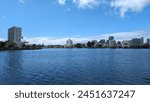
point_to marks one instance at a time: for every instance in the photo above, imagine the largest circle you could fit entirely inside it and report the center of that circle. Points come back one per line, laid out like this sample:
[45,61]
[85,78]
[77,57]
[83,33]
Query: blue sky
[54,21]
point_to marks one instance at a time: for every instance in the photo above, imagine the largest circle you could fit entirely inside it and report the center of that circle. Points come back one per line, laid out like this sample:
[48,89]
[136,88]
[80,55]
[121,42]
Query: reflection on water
[13,66]
[75,66]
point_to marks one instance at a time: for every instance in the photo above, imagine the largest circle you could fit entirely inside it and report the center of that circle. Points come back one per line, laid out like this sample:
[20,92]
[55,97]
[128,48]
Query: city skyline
[15,37]
[123,36]
[80,20]
[15,41]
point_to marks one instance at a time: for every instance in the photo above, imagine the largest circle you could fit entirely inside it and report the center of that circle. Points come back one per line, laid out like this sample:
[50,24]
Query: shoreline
[63,48]
[17,49]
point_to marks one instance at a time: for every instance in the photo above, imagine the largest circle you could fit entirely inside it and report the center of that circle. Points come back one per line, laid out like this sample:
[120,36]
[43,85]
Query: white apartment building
[15,35]
[126,44]
[69,43]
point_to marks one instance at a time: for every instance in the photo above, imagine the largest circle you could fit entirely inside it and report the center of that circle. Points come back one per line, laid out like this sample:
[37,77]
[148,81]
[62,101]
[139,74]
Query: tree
[2,44]
[78,45]
[89,44]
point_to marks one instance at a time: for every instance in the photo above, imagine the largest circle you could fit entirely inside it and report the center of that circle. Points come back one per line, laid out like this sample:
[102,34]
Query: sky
[54,21]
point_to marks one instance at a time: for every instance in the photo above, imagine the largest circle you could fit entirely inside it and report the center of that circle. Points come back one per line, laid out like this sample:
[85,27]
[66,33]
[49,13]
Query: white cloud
[118,36]
[62,2]
[1,39]
[123,6]
[128,35]
[50,40]
[129,5]
[22,1]
[86,3]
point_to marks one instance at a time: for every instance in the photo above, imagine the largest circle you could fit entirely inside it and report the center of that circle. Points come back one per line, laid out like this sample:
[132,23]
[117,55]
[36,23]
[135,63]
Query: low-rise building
[102,41]
[118,45]
[126,44]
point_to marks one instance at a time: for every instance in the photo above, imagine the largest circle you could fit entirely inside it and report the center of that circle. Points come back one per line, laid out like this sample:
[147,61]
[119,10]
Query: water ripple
[75,66]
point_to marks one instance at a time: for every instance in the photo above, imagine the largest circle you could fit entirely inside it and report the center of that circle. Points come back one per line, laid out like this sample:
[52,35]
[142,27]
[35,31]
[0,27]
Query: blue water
[75,67]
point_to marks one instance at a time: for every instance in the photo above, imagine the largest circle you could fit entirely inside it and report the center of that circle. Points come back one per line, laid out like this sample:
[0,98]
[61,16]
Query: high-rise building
[112,43]
[148,41]
[137,42]
[69,43]
[142,41]
[111,38]
[15,35]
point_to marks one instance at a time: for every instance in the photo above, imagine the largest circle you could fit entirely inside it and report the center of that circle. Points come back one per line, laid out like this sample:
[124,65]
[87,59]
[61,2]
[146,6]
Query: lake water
[75,67]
